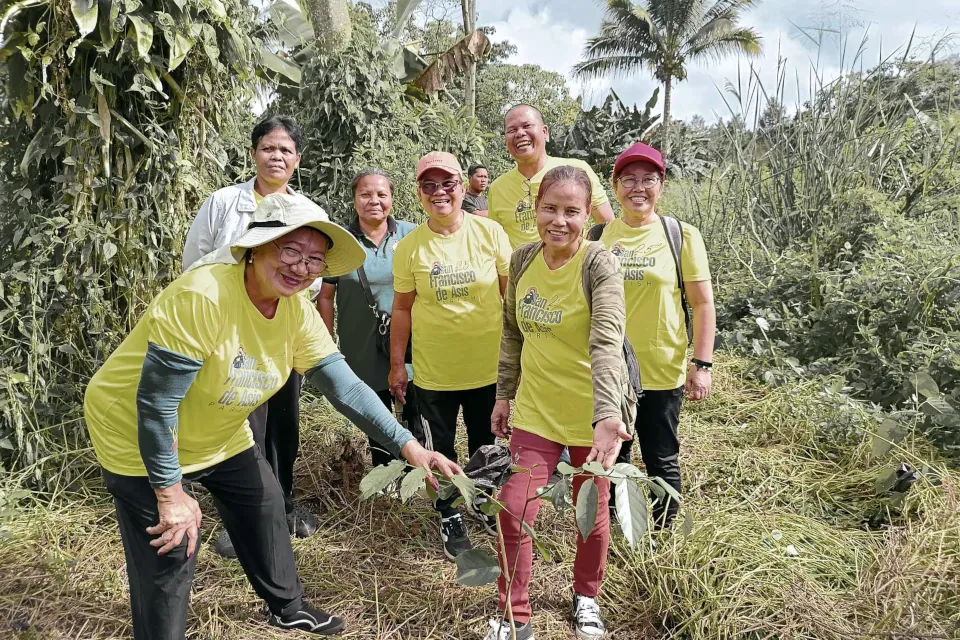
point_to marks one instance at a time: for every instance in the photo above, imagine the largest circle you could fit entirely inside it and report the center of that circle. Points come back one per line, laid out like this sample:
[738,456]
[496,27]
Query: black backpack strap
[596,231]
[674,231]
[367,291]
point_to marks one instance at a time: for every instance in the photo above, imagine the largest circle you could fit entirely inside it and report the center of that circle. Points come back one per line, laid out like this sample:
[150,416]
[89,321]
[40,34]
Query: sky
[552,34]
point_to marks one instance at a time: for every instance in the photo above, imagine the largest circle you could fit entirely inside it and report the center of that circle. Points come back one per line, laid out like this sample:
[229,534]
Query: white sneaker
[500,630]
[586,618]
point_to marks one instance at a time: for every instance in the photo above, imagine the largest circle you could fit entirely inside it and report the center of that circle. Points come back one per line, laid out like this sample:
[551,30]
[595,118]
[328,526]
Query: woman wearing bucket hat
[449,275]
[171,405]
[665,266]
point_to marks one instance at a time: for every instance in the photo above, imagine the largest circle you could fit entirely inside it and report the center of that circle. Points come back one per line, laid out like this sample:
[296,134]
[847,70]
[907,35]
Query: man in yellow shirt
[512,195]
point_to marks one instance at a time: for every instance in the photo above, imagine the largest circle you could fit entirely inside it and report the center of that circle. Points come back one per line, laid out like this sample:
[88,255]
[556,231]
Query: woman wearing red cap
[664,265]
[449,275]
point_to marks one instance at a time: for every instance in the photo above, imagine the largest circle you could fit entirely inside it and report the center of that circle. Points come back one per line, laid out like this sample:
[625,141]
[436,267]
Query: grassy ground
[779,484]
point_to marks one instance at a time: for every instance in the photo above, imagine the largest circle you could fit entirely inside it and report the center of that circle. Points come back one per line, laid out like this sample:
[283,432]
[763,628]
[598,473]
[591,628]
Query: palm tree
[663,36]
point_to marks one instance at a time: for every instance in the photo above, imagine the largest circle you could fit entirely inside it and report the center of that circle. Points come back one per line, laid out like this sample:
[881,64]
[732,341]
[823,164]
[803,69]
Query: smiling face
[641,200]
[274,278]
[561,214]
[276,157]
[442,203]
[525,134]
[373,199]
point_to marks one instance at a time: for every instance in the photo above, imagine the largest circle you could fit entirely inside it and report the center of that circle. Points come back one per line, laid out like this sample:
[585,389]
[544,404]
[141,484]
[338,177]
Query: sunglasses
[429,188]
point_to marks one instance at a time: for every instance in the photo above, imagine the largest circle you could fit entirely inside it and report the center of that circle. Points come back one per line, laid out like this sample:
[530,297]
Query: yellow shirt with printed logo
[655,322]
[205,314]
[512,197]
[457,312]
[555,397]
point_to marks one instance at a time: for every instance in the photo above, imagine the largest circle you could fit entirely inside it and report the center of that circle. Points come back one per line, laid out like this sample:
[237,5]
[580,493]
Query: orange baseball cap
[439,160]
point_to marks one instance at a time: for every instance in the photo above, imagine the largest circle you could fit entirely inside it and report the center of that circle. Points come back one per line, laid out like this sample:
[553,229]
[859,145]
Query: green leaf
[631,511]
[85,13]
[687,524]
[566,469]
[291,24]
[380,477]
[587,502]
[560,494]
[109,250]
[143,31]
[666,487]
[467,487]
[36,147]
[889,433]
[180,46]
[595,468]
[542,548]
[935,407]
[275,63]
[476,568]
[412,483]
[885,482]
[925,385]
[491,507]
[628,470]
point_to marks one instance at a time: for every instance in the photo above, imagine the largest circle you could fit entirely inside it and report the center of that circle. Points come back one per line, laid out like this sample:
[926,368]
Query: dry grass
[760,475]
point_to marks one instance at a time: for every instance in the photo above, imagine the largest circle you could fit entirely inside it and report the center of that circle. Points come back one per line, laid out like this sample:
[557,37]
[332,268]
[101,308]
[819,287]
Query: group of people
[496,298]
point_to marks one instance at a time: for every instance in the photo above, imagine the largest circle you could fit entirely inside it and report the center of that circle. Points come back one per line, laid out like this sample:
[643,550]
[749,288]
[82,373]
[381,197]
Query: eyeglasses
[526,202]
[430,188]
[291,257]
[647,182]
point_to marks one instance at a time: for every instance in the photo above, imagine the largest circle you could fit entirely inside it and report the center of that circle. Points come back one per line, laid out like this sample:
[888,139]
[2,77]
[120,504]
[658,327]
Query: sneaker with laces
[302,523]
[500,630]
[310,620]
[488,523]
[586,618]
[454,536]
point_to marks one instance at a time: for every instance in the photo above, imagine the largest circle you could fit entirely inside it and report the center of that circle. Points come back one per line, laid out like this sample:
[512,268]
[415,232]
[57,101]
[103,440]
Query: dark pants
[276,430]
[438,413]
[658,414]
[411,419]
[250,505]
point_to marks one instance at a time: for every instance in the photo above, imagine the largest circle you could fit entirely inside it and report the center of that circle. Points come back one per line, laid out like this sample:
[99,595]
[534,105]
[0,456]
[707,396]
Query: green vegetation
[834,238]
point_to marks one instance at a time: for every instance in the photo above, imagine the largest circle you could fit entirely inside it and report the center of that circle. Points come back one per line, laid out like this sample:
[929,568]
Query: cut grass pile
[778,483]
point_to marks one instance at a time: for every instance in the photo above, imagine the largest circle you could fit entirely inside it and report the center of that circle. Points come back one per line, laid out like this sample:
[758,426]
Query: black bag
[383,320]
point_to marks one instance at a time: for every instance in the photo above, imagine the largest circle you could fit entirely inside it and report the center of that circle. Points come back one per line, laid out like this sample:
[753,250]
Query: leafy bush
[120,117]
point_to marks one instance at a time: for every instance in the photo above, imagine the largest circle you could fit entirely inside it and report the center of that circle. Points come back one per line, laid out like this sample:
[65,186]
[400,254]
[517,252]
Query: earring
[250,258]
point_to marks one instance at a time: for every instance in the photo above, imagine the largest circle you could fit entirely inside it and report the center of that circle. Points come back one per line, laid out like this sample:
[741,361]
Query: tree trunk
[469,8]
[667,94]
[331,24]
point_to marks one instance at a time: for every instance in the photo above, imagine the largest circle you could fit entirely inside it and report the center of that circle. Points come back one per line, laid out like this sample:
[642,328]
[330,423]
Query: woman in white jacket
[275,149]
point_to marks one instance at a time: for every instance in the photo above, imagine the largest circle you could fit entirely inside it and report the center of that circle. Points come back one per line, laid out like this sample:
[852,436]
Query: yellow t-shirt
[512,198]
[655,323]
[457,312]
[205,314]
[555,398]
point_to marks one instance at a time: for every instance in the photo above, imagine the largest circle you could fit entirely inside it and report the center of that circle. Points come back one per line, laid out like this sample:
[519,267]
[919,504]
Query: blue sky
[552,34]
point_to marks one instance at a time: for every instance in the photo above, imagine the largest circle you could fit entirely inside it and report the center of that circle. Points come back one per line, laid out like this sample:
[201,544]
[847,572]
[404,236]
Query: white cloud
[540,39]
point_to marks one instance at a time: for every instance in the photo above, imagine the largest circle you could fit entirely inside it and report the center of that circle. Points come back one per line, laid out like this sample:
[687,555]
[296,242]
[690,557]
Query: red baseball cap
[442,160]
[639,152]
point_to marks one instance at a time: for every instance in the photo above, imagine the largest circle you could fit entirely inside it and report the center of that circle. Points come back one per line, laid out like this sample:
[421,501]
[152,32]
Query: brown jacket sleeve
[511,341]
[608,319]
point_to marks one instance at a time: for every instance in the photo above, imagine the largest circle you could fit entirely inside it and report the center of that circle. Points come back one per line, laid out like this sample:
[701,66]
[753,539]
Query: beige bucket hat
[278,215]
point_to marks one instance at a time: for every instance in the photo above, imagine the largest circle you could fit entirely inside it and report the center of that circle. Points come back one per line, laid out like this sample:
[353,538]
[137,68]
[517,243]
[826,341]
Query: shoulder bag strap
[367,292]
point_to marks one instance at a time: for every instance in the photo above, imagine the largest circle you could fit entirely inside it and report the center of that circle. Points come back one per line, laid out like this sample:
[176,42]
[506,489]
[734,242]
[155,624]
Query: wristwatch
[702,365]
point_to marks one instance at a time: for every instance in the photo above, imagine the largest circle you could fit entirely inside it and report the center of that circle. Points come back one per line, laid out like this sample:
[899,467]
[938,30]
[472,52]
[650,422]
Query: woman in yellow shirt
[566,354]
[656,322]
[172,404]
[448,276]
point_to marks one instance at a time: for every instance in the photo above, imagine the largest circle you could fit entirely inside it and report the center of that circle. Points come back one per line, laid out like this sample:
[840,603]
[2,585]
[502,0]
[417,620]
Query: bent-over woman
[171,404]
[561,360]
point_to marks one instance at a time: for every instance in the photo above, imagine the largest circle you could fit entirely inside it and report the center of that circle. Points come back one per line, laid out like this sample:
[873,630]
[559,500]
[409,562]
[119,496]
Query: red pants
[540,455]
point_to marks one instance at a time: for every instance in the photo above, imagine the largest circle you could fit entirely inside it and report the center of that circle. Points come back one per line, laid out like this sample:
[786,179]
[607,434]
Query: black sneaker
[489,523]
[500,630]
[586,618]
[224,545]
[454,536]
[302,523]
[310,620]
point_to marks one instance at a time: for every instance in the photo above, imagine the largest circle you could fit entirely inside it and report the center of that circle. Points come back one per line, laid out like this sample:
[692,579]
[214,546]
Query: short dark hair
[272,123]
[370,171]
[474,168]
[520,106]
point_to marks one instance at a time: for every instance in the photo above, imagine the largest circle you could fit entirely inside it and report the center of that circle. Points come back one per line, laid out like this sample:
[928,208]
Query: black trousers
[276,430]
[411,419]
[250,505]
[438,414]
[658,415]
